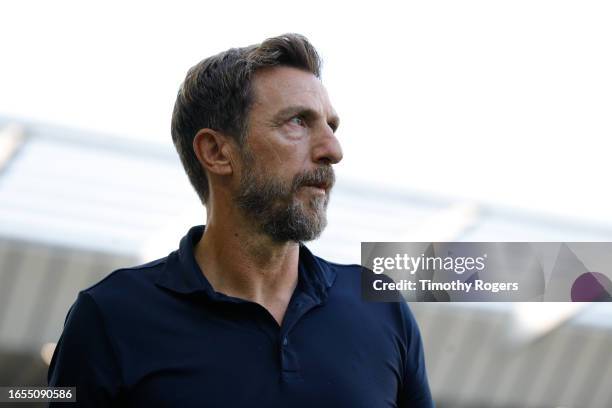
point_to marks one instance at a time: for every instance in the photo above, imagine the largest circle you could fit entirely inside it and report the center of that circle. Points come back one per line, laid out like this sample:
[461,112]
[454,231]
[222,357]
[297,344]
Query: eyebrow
[334,120]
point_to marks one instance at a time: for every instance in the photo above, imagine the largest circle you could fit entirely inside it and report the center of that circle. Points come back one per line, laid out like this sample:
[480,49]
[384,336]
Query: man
[242,314]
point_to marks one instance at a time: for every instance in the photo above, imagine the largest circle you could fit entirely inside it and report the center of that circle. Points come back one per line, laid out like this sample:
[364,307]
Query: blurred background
[472,121]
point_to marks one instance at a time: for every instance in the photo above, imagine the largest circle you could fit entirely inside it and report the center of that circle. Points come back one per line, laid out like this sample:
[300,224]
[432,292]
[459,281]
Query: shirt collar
[182,274]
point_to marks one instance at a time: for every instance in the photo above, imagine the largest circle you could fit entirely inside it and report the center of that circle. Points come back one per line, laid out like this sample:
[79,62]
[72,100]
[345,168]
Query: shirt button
[285,341]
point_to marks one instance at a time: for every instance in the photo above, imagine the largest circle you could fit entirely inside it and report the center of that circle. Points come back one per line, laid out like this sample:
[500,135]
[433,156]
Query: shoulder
[353,283]
[361,279]
[390,318]
[126,284]
[344,271]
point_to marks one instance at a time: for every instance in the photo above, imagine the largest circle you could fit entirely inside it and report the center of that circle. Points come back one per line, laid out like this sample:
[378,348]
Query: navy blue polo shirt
[159,335]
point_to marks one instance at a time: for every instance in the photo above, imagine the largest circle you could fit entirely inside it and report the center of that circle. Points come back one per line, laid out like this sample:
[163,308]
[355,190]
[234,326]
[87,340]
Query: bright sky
[504,102]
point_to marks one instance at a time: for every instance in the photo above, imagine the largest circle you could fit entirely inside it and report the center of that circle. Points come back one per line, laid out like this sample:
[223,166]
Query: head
[256,122]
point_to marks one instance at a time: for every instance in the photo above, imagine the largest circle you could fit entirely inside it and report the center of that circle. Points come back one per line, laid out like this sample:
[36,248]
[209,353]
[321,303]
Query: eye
[298,120]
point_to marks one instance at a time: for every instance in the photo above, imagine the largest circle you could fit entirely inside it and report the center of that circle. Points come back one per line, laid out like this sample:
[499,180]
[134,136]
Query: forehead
[278,87]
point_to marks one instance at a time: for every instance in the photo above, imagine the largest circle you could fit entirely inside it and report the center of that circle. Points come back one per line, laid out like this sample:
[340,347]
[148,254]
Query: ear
[214,151]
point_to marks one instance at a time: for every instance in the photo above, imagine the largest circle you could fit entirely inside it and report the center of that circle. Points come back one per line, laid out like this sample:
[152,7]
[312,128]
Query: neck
[242,262]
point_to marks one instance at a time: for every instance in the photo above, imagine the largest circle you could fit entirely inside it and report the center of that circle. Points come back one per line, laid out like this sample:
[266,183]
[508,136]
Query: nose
[326,147]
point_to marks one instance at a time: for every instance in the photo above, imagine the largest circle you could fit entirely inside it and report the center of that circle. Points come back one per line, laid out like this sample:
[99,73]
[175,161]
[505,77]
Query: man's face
[286,174]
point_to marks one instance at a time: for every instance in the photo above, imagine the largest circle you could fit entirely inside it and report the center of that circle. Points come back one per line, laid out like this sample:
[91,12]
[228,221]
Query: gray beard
[274,208]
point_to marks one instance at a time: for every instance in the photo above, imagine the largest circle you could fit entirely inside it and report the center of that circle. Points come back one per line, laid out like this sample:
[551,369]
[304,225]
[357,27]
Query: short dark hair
[217,94]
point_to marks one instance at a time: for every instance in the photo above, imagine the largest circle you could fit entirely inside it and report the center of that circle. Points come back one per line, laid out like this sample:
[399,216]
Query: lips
[321,178]
[316,189]
[325,186]
[322,186]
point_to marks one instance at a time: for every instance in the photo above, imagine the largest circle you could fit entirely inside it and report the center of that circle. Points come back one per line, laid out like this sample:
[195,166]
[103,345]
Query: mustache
[323,177]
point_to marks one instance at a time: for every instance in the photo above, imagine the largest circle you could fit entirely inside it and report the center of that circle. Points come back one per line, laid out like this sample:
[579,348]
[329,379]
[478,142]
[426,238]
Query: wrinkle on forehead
[275,88]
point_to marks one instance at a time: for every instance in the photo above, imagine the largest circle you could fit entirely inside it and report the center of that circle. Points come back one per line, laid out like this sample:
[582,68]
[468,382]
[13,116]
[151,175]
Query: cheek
[283,161]
[282,167]
[287,160]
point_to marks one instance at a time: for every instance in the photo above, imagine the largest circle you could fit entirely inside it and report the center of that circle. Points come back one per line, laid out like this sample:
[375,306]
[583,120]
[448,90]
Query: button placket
[289,362]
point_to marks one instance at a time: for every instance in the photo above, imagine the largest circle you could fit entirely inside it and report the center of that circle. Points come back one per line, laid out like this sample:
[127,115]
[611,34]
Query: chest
[219,359]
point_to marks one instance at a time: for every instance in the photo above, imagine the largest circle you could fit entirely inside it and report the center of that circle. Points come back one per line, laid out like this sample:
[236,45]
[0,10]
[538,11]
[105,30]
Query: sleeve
[84,358]
[414,392]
